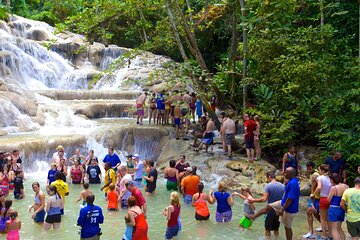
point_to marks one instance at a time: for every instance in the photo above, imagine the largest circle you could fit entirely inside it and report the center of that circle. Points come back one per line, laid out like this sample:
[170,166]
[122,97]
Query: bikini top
[37,199]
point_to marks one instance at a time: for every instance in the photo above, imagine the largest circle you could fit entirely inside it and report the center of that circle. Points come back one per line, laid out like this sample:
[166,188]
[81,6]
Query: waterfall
[45,99]
[111,53]
[32,64]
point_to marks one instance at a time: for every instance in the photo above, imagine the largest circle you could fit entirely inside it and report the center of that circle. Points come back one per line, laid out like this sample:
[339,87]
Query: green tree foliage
[302,56]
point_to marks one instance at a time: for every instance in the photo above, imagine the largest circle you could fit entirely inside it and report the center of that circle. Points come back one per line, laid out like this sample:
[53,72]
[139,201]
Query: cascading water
[111,53]
[26,64]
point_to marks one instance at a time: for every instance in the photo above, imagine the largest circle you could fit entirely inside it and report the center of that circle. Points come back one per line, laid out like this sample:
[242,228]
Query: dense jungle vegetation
[293,62]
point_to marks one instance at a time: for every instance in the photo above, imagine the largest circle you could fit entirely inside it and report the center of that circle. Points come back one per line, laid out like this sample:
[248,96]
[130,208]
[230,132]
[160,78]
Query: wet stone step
[88,94]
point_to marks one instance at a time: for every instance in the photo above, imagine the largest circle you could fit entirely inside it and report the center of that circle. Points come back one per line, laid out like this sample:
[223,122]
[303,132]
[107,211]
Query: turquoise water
[114,225]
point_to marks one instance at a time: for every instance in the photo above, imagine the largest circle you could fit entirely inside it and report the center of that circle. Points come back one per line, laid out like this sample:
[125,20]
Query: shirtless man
[177,121]
[140,102]
[175,100]
[208,136]
[228,128]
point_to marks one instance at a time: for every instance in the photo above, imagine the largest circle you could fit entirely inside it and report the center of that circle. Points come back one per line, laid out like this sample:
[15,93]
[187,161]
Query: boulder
[158,87]
[96,53]
[3,132]
[37,35]
[73,51]
[3,86]
[23,104]
[9,59]
[103,109]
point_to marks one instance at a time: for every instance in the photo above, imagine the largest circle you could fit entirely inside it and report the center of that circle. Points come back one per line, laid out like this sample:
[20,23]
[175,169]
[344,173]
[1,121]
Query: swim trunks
[249,142]
[272,221]
[228,138]
[177,122]
[187,199]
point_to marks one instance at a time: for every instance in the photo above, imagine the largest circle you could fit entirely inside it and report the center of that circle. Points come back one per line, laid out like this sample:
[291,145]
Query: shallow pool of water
[114,225]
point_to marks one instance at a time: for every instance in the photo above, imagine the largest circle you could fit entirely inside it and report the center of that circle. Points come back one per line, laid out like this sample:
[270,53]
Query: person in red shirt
[136,193]
[249,127]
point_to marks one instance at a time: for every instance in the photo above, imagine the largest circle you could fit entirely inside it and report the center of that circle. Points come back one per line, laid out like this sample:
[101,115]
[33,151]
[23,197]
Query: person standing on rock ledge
[140,102]
[228,129]
[249,128]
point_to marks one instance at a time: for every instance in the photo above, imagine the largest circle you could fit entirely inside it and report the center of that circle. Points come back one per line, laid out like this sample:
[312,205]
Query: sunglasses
[61,151]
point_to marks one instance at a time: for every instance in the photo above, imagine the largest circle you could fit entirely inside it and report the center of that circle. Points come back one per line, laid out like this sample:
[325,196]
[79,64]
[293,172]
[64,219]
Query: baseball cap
[136,155]
[129,156]
[189,169]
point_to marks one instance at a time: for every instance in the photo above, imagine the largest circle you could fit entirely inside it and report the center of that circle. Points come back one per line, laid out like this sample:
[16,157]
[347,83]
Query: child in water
[128,228]
[84,193]
[112,198]
[13,226]
[249,208]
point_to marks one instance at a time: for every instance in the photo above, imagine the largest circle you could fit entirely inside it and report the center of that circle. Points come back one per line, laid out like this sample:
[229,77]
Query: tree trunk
[144,20]
[190,11]
[206,10]
[321,13]
[232,52]
[175,31]
[197,54]
[243,14]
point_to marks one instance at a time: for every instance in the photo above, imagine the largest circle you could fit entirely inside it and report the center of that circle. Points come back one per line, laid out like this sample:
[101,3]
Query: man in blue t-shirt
[337,165]
[274,192]
[289,205]
[112,158]
[160,108]
[89,219]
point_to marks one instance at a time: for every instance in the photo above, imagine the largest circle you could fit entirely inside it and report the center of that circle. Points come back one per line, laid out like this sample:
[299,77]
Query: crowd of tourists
[182,109]
[330,200]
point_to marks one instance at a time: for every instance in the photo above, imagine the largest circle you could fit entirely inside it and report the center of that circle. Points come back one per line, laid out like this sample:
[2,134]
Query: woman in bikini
[152,111]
